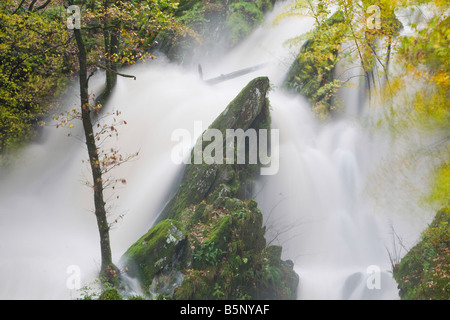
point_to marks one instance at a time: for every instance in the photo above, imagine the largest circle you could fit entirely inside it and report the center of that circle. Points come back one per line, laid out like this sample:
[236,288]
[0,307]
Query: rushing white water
[317,206]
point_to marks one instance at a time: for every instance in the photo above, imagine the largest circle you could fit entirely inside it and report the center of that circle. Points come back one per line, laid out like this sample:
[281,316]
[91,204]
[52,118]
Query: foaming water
[317,206]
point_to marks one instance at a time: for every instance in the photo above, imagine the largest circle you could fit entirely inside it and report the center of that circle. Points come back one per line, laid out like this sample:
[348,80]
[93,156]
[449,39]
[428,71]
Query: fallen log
[232,75]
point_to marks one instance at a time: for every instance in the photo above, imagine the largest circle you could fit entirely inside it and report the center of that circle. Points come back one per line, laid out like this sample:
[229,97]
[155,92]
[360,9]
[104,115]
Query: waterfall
[317,207]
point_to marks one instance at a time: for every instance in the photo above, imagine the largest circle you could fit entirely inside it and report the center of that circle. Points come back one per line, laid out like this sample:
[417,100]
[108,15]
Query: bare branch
[43,6]
[118,73]
[30,8]
[18,8]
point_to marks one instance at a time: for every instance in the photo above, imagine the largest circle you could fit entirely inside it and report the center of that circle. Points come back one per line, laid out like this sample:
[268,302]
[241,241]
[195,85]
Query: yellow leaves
[441,186]
[441,79]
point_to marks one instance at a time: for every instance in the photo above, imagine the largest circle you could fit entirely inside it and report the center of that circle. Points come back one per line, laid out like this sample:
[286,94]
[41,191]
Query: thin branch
[30,8]
[42,6]
[118,73]
[91,74]
[18,8]
[384,68]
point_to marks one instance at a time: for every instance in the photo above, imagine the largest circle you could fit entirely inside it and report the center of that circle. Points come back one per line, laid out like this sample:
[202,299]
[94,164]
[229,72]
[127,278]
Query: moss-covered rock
[424,272]
[311,73]
[218,249]
[163,247]
[110,294]
[247,110]
[230,258]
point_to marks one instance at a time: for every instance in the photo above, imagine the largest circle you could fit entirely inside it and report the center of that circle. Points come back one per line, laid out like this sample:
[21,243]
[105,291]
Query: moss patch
[311,74]
[160,248]
[230,258]
[424,272]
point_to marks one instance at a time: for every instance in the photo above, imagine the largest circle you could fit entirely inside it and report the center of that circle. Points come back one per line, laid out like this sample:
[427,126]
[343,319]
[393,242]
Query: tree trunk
[111,74]
[107,270]
[111,39]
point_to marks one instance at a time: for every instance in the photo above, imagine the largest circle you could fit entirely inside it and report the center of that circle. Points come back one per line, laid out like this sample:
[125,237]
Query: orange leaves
[64,119]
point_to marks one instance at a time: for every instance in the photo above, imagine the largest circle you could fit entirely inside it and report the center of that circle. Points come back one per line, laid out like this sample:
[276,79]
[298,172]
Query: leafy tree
[424,83]
[339,22]
[39,54]
[34,67]
[118,23]
[415,94]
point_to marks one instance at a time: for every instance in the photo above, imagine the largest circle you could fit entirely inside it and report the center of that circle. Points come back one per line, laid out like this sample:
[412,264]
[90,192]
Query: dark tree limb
[116,72]
[30,8]
[18,8]
[43,6]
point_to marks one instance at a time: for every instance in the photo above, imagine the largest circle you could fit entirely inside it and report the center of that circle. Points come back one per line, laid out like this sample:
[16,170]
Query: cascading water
[316,206]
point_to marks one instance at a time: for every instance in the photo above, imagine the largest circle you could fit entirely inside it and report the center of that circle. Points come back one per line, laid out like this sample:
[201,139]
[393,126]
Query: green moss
[311,74]
[194,287]
[243,18]
[157,249]
[110,294]
[222,232]
[424,271]
[441,186]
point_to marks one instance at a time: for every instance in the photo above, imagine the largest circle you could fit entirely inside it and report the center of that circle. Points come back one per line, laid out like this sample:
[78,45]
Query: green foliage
[440,191]
[336,23]
[37,53]
[312,73]
[243,18]
[240,268]
[424,272]
[418,94]
[208,254]
[156,250]
[425,58]
[110,294]
[87,293]
[218,292]
[33,67]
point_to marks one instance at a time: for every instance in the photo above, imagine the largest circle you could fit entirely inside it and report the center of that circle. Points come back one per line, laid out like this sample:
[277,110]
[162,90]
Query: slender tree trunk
[107,269]
[111,39]
[113,50]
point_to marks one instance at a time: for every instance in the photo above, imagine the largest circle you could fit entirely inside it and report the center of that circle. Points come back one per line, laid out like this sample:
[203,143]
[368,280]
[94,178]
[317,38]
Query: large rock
[212,244]
[162,248]
[248,110]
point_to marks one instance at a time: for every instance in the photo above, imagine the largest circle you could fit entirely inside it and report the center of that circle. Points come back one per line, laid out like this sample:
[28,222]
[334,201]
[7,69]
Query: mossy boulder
[163,247]
[248,110]
[209,242]
[311,73]
[424,272]
[230,257]
[223,257]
